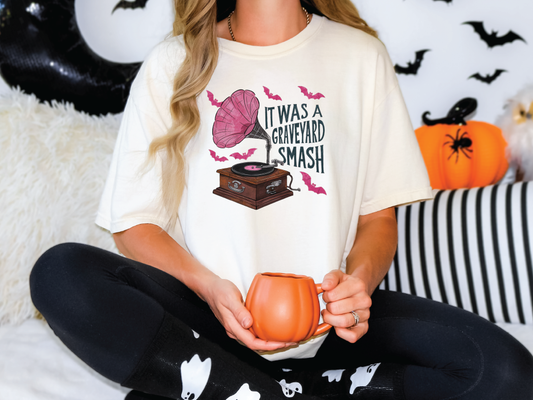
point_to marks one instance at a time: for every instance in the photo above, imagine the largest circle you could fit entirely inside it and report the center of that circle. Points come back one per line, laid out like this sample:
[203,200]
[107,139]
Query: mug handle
[323,327]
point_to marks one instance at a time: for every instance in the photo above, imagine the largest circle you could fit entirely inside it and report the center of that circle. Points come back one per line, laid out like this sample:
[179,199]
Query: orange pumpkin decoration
[461,154]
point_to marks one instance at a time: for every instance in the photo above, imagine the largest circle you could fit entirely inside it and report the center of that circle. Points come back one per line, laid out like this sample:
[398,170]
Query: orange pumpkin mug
[285,307]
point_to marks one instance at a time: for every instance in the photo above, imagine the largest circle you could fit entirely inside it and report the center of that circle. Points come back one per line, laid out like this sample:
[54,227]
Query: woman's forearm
[374,247]
[348,294]
[151,245]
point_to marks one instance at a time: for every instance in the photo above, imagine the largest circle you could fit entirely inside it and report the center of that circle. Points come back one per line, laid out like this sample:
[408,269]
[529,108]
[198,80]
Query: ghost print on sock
[194,376]
[245,393]
[362,376]
[333,375]
[290,389]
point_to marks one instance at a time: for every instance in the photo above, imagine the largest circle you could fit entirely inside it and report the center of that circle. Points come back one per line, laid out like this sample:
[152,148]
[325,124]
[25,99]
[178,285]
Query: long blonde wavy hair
[196,20]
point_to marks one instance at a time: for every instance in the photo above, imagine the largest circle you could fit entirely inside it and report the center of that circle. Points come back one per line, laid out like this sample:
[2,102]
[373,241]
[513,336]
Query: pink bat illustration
[311,186]
[243,156]
[270,95]
[217,158]
[212,99]
[310,95]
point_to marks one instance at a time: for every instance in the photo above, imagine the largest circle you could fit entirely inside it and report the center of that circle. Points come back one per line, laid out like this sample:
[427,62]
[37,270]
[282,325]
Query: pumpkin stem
[456,115]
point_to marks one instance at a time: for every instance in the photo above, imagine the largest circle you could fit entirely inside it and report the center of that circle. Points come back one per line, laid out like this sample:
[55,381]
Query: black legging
[138,326]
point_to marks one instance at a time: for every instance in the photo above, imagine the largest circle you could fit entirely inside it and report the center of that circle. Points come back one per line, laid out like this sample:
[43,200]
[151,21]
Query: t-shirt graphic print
[256,184]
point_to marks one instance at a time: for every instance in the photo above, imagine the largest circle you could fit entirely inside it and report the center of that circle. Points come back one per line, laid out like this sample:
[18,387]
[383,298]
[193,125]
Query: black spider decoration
[461,143]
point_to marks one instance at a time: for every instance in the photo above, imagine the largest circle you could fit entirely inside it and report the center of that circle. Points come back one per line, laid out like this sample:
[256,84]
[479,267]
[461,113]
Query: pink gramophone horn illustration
[252,184]
[236,120]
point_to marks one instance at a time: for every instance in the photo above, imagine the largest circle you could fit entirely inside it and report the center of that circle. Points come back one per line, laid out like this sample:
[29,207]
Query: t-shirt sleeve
[396,173]
[132,193]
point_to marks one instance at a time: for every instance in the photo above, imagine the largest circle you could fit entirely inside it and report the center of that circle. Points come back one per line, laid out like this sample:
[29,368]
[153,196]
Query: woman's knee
[55,273]
[509,369]
[496,367]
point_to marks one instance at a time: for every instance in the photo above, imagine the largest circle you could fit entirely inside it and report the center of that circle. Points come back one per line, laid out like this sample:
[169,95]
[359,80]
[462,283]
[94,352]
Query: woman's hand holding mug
[225,300]
[343,294]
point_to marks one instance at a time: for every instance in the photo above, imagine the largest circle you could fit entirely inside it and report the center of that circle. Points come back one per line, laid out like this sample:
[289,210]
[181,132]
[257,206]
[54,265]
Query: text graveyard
[290,125]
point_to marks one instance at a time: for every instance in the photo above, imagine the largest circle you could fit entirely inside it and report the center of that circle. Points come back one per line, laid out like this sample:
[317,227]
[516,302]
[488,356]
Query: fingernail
[245,322]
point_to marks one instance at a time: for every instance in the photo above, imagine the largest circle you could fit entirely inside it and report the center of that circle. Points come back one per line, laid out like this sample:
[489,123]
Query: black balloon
[42,51]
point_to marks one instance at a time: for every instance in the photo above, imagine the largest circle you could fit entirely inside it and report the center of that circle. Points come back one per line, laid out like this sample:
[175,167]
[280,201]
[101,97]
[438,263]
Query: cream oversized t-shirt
[328,99]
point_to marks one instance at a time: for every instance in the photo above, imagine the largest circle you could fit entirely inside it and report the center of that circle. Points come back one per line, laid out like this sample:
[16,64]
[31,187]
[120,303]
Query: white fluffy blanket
[53,165]
[35,365]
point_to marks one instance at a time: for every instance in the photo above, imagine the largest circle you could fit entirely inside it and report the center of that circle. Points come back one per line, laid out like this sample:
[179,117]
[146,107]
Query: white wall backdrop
[405,26]
[457,52]
[126,35]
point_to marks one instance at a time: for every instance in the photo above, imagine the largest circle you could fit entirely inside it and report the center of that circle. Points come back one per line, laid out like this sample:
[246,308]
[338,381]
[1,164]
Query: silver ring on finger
[356,319]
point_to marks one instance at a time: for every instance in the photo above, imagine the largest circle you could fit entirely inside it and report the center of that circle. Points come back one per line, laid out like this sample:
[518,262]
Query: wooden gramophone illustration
[252,184]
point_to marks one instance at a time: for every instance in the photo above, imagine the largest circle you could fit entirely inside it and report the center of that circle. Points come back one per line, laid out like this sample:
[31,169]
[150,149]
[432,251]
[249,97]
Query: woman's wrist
[373,250]
[203,285]
[367,273]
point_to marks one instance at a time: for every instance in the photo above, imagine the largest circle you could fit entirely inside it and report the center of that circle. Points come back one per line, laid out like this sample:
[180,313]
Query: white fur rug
[53,165]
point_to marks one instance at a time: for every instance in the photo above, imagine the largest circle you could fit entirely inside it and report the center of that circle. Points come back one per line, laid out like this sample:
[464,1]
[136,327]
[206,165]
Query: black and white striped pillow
[471,248]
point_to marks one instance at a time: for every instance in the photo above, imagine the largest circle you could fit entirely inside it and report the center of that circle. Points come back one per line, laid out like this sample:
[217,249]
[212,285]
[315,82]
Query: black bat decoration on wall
[492,39]
[412,67]
[488,79]
[130,4]
[446,1]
